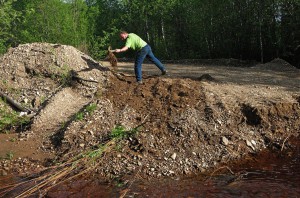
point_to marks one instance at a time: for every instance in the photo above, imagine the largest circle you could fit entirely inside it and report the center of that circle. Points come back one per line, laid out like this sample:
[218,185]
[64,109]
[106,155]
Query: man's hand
[124,49]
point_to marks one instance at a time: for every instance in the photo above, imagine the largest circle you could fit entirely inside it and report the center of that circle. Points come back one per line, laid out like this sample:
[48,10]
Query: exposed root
[72,168]
[55,175]
[282,146]
[220,169]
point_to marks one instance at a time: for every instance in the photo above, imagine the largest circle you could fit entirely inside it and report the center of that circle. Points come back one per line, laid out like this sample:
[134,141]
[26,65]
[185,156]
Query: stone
[225,141]
[81,145]
[248,143]
[174,156]
[171,172]
[3,173]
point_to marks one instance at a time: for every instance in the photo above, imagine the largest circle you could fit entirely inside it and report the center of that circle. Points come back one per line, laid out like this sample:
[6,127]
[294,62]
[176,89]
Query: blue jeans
[140,57]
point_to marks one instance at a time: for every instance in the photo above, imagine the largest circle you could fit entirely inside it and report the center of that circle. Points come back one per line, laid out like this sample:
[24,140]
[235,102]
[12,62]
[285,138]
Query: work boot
[164,73]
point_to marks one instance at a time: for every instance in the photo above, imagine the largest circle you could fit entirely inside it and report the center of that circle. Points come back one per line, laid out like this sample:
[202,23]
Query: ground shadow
[93,65]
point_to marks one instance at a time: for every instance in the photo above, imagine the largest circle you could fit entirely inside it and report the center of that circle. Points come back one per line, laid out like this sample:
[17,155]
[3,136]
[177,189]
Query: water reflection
[268,174]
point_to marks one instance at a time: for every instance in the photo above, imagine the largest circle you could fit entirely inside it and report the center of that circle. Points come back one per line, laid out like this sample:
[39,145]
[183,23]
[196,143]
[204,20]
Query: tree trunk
[261,44]
[260,32]
[164,37]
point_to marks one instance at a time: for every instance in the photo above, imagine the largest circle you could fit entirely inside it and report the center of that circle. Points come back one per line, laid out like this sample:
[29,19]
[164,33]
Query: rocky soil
[198,117]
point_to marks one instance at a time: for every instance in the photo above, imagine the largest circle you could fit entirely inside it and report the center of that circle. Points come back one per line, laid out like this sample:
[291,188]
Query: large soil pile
[188,124]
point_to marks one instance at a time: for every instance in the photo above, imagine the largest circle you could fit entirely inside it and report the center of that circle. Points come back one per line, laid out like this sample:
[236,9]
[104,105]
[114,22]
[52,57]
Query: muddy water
[268,174]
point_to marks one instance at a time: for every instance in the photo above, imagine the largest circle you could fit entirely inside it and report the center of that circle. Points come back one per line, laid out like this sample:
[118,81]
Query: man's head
[123,35]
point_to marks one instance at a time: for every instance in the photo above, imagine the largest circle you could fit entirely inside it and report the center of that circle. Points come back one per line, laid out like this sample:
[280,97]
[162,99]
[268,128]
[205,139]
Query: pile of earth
[277,65]
[184,126]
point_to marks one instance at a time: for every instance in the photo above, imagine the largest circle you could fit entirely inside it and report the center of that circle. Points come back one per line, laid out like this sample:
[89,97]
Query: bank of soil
[201,115]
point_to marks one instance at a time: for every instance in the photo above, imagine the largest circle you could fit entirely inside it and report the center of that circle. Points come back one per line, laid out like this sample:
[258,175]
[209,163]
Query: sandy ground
[275,74]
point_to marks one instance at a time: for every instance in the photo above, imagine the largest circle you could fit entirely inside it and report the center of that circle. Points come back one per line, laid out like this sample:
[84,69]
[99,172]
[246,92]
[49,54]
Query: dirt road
[277,73]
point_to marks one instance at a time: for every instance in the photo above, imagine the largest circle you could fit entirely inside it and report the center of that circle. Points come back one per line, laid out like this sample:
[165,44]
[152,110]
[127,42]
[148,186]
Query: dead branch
[118,76]
[79,78]
[74,75]
[284,142]
[56,175]
[13,102]
[220,169]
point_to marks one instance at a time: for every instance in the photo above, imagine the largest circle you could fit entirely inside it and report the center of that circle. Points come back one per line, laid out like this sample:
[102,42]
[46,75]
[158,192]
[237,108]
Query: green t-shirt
[135,42]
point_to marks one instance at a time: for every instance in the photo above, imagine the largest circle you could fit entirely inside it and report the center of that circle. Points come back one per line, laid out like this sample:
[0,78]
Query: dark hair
[123,32]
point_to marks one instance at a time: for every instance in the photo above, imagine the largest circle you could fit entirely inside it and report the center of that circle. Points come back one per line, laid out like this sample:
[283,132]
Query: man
[135,42]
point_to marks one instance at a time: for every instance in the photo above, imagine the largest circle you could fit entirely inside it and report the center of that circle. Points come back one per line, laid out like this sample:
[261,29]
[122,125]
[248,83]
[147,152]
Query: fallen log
[14,103]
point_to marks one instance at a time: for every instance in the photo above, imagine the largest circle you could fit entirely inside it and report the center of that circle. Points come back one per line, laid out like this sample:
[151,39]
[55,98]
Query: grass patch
[11,119]
[43,99]
[61,74]
[87,110]
[15,91]
[10,155]
[119,132]
[79,116]
[91,108]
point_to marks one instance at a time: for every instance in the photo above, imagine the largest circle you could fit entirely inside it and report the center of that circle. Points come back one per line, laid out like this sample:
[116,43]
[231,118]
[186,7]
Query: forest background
[258,30]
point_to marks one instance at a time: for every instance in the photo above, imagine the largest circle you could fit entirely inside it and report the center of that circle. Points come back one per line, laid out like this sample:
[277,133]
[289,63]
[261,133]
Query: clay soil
[204,113]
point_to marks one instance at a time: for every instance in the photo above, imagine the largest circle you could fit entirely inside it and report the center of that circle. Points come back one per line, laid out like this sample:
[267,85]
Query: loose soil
[204,113]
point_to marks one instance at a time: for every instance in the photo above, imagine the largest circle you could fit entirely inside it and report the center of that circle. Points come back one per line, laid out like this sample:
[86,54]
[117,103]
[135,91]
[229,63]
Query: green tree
[53,21]
[176,29]
[8,17]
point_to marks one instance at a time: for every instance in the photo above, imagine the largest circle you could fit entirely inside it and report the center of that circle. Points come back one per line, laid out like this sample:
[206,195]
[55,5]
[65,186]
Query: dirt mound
[39,69]
[206,77]
[277,65]
[52,82]
[194,126]
[189,126]
[185,126]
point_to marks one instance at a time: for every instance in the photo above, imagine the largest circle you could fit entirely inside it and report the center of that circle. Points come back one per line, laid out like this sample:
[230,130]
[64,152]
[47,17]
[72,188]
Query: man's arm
[123,49]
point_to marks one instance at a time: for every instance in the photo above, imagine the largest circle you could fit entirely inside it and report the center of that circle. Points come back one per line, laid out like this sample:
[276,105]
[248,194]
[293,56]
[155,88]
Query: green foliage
[99,44]
[43,99]
[10,155]
[79,116]
[93,154]
[53,21]
[64,78]
[11,119]
[2,46]
[8,18]
[119,132]
[91,108]
[175,29]
[61,74]
[88,109]
[63,125]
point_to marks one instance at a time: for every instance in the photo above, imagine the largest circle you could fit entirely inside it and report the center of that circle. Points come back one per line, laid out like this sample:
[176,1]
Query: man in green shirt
[135,42]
